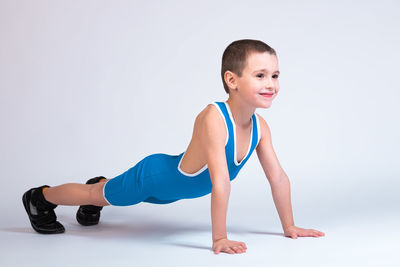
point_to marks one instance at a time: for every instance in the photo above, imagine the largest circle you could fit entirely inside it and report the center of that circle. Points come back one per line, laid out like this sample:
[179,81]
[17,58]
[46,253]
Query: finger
[236,249]
[317,232]
[309,233]
[320,233]
[240,249]
[229,250]
[317,235]
[312,234]
[243,245]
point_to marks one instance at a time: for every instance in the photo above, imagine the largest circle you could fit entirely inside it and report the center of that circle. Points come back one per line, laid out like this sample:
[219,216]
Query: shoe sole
[26,202]
[84,223]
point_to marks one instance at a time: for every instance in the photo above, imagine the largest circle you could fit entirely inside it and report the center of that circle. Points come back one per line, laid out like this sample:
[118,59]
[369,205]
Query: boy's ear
[230,79]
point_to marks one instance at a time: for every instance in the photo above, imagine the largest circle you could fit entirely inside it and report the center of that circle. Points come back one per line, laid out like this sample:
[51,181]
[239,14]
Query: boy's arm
[213,137]
[279,181]
[280,185]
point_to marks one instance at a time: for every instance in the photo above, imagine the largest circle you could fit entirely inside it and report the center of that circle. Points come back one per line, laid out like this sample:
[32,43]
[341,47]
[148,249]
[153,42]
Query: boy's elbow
[221,186]
[279,178]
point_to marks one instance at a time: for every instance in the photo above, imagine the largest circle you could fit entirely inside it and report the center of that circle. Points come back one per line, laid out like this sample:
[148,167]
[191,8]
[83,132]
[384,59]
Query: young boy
[224,136]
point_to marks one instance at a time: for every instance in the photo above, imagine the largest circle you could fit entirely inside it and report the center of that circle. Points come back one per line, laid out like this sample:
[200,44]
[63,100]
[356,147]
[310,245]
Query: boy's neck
[241,112]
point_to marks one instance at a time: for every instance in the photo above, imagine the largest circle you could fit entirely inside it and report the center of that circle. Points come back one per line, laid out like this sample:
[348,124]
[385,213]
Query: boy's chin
[267,104]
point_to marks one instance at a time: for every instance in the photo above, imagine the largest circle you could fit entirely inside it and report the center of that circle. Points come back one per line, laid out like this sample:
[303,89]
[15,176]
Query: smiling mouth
[267,95]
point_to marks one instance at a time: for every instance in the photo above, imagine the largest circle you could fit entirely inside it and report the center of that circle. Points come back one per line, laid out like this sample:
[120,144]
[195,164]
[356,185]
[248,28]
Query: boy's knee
[96,194]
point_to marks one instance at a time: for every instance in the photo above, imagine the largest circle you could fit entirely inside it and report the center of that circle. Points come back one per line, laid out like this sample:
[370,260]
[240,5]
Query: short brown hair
[235,55]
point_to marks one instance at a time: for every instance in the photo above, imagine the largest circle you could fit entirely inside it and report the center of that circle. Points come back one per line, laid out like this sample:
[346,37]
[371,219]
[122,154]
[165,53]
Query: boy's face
[259,83]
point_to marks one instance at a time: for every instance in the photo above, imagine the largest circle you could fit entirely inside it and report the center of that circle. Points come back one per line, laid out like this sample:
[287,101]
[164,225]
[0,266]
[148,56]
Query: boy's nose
[268,83]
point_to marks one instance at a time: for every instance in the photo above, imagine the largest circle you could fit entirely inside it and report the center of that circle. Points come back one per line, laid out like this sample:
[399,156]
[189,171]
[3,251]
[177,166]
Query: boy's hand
[294,232]
[228,246]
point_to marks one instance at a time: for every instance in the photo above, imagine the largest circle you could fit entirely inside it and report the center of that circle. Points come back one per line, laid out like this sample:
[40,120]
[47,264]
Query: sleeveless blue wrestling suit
[159,179]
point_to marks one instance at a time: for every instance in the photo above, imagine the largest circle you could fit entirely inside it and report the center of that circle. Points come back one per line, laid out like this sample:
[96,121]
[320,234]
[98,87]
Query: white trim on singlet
[205,166]
[190,174]
[234,137]
[104,193]
[226,125]
[258,129]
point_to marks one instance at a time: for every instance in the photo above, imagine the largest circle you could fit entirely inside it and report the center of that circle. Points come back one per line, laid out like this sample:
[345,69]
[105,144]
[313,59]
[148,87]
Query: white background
[89,88]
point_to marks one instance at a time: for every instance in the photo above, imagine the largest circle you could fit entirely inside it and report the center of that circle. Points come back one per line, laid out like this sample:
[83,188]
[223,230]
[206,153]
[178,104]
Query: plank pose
[225,134]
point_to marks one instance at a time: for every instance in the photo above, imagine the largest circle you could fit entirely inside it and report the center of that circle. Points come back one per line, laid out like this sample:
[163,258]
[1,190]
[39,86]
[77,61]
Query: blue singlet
[159,179]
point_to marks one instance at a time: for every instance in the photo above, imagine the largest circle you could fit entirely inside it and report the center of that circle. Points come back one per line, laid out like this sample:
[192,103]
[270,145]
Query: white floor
[179,234]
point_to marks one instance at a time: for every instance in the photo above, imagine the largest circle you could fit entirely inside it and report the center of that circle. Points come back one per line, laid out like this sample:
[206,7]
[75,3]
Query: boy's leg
[40,203]
[74,194]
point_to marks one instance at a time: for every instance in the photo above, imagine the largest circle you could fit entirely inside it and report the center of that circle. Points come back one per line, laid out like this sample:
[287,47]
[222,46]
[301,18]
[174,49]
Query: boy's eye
[260,75]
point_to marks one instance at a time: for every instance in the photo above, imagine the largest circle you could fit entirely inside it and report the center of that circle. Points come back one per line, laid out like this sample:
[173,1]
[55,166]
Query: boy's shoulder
[211,116]
[210,112]
[210,122]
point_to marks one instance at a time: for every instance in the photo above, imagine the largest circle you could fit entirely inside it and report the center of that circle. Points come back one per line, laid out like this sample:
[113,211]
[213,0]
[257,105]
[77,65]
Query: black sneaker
[89,214]
[41,212]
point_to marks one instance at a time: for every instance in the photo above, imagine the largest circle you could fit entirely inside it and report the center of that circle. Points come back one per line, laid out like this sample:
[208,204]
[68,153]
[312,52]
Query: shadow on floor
[148,230]
[142,230]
